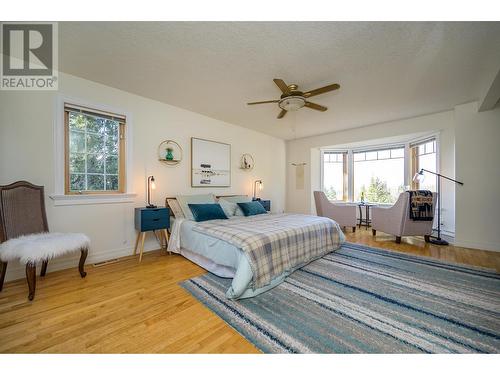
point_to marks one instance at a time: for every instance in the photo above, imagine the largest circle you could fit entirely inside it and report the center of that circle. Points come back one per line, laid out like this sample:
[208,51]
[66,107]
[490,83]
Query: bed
[257,252]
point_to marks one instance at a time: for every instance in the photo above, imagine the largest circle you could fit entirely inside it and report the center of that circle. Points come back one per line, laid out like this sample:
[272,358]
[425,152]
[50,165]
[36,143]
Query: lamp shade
[419,176]
[151,186]
[292,103]
[257,184]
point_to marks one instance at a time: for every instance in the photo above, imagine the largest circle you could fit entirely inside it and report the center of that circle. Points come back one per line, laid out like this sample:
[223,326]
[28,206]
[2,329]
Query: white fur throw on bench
[37,247]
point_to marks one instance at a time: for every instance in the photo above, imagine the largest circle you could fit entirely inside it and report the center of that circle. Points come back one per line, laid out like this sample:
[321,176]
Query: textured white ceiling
[386,70]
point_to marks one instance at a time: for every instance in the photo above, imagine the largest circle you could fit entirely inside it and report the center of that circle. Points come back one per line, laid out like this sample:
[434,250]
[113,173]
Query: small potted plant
[169,155]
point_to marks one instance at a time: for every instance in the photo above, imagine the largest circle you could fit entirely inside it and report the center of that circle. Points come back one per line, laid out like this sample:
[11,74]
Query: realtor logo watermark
[29,56]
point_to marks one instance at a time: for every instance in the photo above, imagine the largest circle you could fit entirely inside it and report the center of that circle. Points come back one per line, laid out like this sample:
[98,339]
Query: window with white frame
[335,175]
[94,152]
[424,155]
[377,174]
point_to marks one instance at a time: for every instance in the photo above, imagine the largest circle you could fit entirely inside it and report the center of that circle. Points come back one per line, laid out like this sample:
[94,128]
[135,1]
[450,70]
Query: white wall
[478,166]
[26,153]
[307,150]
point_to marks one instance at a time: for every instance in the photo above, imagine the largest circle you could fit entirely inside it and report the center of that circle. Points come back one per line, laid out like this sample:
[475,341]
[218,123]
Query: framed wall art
[210,163]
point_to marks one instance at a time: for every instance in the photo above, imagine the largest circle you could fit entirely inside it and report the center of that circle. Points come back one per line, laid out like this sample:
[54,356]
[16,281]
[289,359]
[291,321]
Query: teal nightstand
[151,219]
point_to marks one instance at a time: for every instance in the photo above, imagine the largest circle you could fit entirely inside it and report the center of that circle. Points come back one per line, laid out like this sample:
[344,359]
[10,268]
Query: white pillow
[232,202]
[184,200]
[229,208]
[175,208]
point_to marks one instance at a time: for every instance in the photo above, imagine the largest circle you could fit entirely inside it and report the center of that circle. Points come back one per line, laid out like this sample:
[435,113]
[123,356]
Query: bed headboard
[216,197]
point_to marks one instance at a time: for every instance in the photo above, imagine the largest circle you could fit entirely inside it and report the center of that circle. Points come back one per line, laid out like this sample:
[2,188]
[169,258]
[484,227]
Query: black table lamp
[419,177]
[151,186]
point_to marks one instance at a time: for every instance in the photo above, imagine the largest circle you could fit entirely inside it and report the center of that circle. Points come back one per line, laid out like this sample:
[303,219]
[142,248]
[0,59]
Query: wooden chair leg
[398,239]
[44,268]
[427,238]
[81,264]
[3,271]
[374,232]
[354,229]
[31,278]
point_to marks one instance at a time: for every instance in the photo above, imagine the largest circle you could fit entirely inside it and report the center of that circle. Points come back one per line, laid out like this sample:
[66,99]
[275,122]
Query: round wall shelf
[169,152]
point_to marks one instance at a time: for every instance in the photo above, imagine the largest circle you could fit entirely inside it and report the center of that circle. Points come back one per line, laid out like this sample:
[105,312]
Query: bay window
[377,174]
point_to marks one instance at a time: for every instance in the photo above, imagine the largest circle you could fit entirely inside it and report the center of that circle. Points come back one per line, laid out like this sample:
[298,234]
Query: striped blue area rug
[365,300]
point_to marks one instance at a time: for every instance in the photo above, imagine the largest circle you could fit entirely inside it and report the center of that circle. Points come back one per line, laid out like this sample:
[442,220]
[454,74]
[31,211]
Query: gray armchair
[396,220]
[344,214]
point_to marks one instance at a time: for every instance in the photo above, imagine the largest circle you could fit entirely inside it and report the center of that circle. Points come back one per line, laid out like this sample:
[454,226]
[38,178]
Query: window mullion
[345,184]
[105,138]
[350,175]
[322,170]
[121,156]
[86,157]
[407,168]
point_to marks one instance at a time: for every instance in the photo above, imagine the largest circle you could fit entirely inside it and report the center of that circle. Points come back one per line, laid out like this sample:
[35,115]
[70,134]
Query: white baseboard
[478,245]
[448,236]
[16,270]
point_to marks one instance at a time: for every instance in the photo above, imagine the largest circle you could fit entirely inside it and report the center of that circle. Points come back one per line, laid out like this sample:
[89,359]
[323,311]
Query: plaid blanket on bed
[276,243]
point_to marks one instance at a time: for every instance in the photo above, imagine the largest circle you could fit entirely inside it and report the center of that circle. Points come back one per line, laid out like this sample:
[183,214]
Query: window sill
[72,200]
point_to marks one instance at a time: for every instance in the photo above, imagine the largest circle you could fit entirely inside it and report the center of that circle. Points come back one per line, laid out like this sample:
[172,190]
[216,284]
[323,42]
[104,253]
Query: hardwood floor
[131,307]
[417,246]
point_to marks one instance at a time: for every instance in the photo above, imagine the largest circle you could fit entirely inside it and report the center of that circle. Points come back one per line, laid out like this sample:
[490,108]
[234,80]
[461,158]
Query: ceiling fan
[292,99]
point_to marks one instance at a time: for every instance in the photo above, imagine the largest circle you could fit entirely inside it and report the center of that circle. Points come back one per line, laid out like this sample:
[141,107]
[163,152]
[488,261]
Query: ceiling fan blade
[282,85]
[315,106]
[266,101]
[321,90]
[282,113]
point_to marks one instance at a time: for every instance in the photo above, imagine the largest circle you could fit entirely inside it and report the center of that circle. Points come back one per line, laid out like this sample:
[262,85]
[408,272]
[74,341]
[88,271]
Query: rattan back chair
[22,212]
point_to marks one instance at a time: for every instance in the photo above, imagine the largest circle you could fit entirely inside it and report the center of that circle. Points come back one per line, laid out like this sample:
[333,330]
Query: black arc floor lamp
[419,177]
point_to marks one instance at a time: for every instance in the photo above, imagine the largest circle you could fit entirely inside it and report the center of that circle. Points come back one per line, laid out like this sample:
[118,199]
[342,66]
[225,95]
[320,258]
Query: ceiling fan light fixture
[292,103]
[292,99]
